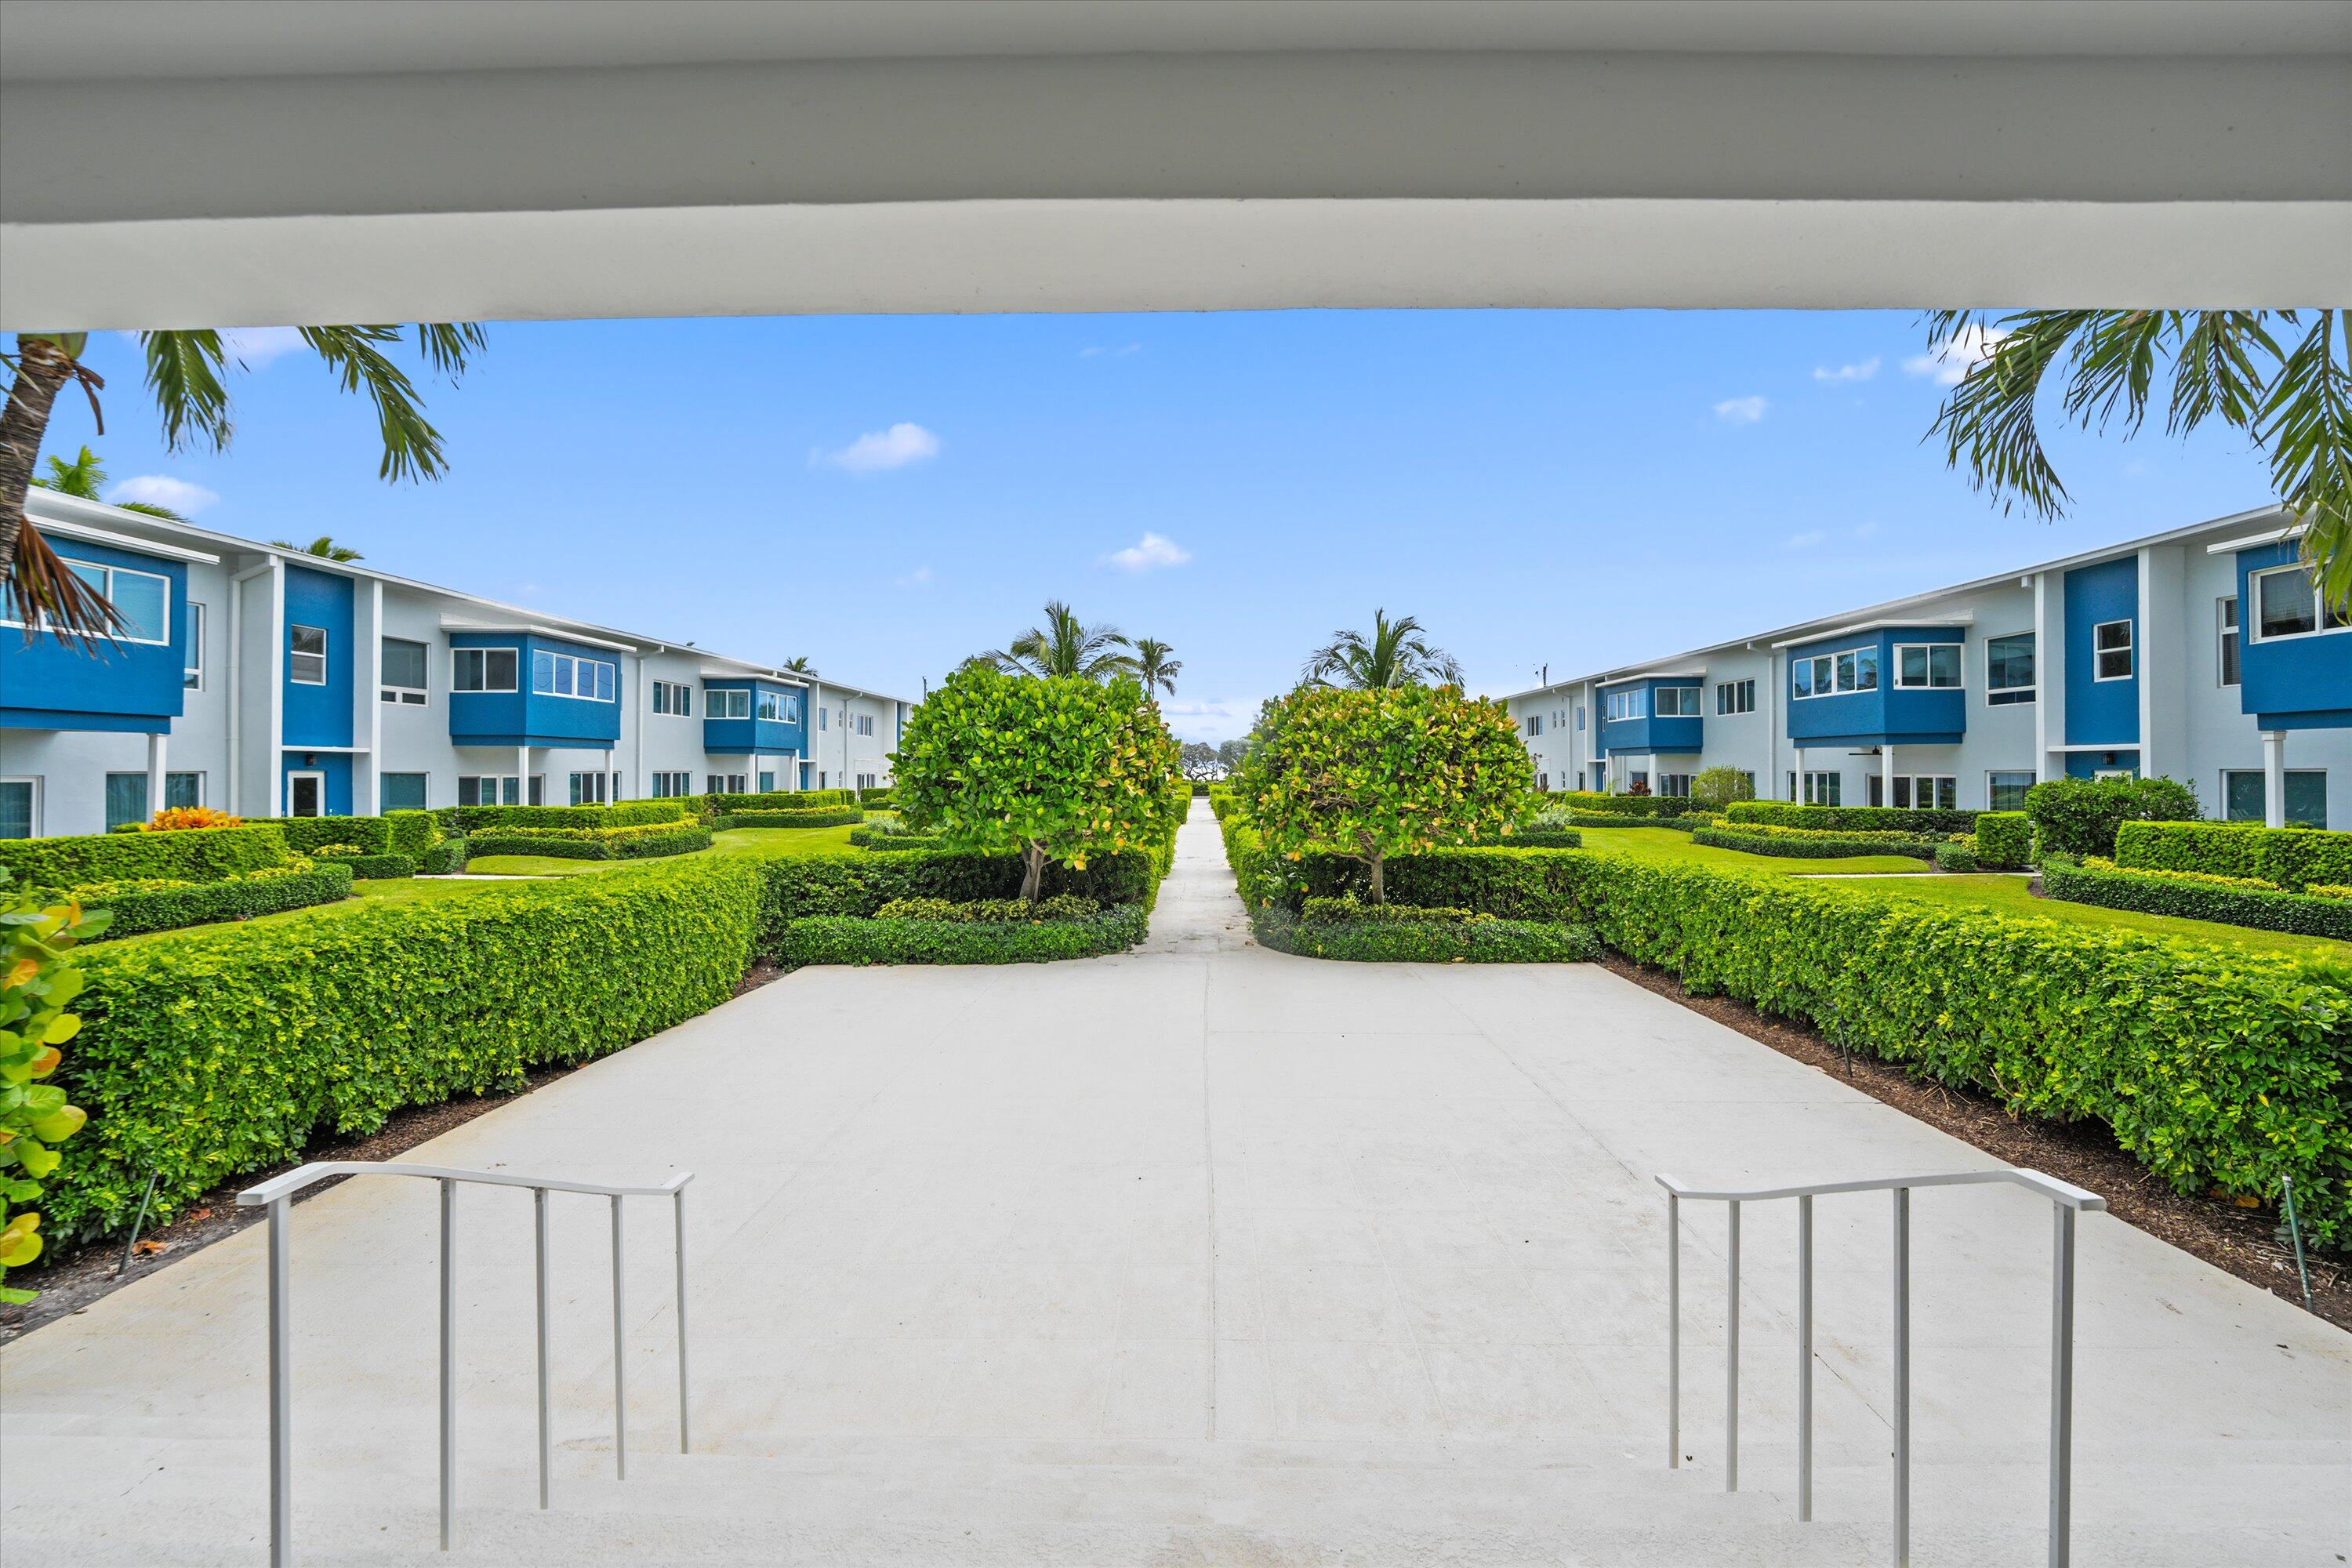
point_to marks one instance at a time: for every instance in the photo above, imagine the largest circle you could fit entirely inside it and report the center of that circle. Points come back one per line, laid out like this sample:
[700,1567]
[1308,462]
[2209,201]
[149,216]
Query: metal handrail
[277,1195]
[2066,1201]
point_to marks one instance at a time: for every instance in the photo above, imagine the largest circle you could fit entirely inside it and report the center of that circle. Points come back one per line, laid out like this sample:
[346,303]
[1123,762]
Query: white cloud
[1811,539]
[877,450]
[1862,372]
[1109,350]
[1741,410]
[162,489]
[255,347]
[915,579]
[1152,549]
[1949,360]
[1863,529]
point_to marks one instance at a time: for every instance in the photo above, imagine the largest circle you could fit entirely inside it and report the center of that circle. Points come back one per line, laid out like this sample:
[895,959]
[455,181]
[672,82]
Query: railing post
[1674,1332]
[1731,1362]
[538,1240]
[1902,1377]
[282,1389]
[448,1356]
[2062,1382]
[620,1364]
[1805,1357]
[685,1439]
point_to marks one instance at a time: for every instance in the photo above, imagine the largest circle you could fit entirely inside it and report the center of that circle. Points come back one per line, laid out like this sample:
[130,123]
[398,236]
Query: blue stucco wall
[526,718]
[2292,683]
[336,765]
[741,737]
[1648,735]
[2090,764]
[50,684]
[319,715]
[2102,713]
[1885,716]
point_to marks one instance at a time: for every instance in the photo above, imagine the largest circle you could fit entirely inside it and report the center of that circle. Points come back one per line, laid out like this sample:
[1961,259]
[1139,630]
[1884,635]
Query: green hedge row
[991,911]
[778,800]
[2294,858]
[1484,940]
[854,883]
[271,890]
[1594,803]
[812,817]
[372,867]
[644,841]
[2004,839]
[410,833]
[472,819]
[1548,838]
[1849,819]
[873,838]
[187,855]
[850,939]
[877,798]
[2190,895]
[2080,816]
[1812,845]
[207,1054]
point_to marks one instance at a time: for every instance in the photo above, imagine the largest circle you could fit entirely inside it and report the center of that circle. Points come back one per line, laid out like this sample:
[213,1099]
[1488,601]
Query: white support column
[1886,775]
[2274,778]
[1797,759]
[156,745]
[522,775]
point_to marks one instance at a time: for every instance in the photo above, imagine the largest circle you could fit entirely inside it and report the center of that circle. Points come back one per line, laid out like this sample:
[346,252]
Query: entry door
[306,794]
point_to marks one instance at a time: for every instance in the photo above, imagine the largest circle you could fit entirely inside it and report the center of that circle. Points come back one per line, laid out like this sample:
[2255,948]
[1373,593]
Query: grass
[2010,895]
[1668,844]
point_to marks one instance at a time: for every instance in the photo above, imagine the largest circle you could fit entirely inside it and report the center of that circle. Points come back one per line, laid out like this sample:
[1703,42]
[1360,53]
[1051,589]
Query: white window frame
[514,675]
[714,709]
[2129,650]
[1687,704]
[498,783]
[678,695]
[1835,786]
[1993,775]
[1632,700]
[106,592]
[1664,783]
[591,788]
[298,773]
[1733,698]
[1835,688]
[2320,613]
[2228,633]
[424,773]
[2007,696]
[192,663]
[392,691]
[33,815]
[1959,670]
[294,655]
[566,670]
[1532,724]
[203,786]
[1909,784]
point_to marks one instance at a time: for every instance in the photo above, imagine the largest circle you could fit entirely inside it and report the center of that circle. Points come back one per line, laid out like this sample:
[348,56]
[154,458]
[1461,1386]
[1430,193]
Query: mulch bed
[2242,1241]
[83,1274]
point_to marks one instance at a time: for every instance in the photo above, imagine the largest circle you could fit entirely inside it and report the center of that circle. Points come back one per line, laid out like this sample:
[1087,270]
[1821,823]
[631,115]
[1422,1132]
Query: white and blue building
[268,682]
[2201,654]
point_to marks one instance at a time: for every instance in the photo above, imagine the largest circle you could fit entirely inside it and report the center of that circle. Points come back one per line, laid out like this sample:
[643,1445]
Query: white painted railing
[2065,1202]
[276,1196]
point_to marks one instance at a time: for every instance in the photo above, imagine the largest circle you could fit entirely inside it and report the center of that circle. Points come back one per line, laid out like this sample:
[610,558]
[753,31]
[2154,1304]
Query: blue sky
[890,494]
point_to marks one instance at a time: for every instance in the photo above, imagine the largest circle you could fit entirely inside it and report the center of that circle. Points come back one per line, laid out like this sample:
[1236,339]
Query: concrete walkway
[1202,1255]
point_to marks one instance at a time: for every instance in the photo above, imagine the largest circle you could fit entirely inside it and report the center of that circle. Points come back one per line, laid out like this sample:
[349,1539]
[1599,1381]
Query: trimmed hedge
[627,814]
[857,884]
[1801,844]
[1548,838]
[643,841]
[1594,803]
[1482,940]
[849,939]
[371,868]
[270,890]
[1689,822]
[1956,857]
[2196,896]
[815,816]
[878,797]
[190,855]
[1849,819]
[443,858]
[873,838]
[778,800]
[410,833]
[1340,911]
[2004,839]
[2080,817]
[986,912]
[2294,858]
[205,1055]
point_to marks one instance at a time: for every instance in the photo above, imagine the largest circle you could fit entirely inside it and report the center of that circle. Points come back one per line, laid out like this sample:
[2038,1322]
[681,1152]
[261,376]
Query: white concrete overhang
[534,628]
[2232,546]
[1654,675]
[1929,621]
[64,516]
[232,162]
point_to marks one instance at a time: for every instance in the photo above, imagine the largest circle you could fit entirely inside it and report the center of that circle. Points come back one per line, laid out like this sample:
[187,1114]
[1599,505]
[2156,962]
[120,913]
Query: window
[1834,674]
[866,724]
[2287,606]
[674,696]
[1735,697]
[1928,666]
[1579,715]
[307,655]
[866,781]
[2007,790]
[143,600]
[727,702]
[20,800]
[402,791]
[1824,789]
[490,790]
[767,782]
[1677,702]
[822,714]
[1926,792]
[2008,670]
[2228,609]
[591,789]
[1534,724]
[777,708]
[183,790]
[668,785]
[192,677]
[404,671]
[1618,706]
[2111,649]
[2243,799]
[481,669]
[1747,777]
[567,675]
[126,799]
[726,784]
[1674,784]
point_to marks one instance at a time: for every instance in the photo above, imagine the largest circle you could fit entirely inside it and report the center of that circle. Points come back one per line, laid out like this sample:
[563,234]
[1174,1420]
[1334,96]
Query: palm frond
[44,594]
[183,371]
[412,448]
[2306,424]
[1989,421]
[448,346]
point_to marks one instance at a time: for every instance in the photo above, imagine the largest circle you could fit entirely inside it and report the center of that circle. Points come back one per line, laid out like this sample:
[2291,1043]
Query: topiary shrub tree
[2080,817]
[1715,788]
[1052,768]
[37,983]
[1370,774]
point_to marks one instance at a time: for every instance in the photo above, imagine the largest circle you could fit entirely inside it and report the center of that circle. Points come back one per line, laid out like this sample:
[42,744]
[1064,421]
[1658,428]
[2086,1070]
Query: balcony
[2296,664]
[1651,715]
[746,717]
[518,687]
[134,684]
[1881,685]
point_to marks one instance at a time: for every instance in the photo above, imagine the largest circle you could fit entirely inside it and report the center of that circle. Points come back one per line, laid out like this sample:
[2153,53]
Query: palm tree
[86,477]
[2283,377]
[324,545]
[1398,653]
[1067,646]
[1155,668]
[185,370]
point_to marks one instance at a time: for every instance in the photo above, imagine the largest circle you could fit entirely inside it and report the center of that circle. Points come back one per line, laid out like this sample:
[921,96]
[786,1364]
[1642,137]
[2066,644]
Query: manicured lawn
[534,866]
[2010,895]
[1666,844]
[766,842]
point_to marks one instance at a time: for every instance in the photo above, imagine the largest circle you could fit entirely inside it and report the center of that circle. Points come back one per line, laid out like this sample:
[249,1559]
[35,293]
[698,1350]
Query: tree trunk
[41,369]
[1379,887]
[1033,872]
